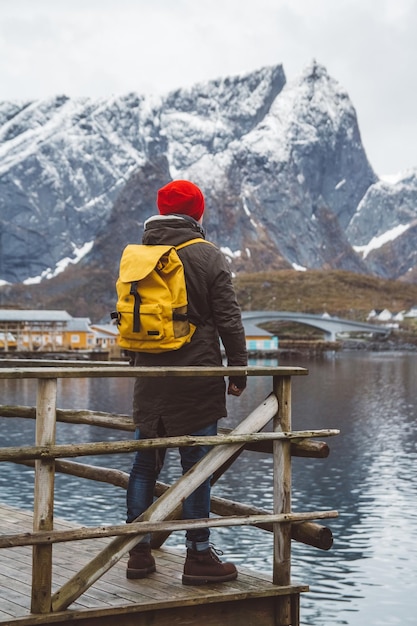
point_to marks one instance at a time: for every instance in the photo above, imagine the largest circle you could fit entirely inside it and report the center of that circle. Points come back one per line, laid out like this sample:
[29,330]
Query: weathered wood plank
[17,563]
[303,448]
[12,610]
[114,599]
[83,533]
[43,511]
[123,371]
[281,571]
[18,570]
[21,453]
[310,533]
[307,532]
[310,449]
[115,477]
[306,448]
[216,608]
[14,591]
[68,416]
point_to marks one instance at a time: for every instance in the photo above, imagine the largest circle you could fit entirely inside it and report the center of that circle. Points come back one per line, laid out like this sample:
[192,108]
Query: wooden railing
[163,516]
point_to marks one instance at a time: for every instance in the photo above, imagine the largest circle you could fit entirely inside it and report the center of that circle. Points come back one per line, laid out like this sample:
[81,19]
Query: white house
[380,315]
[105,335]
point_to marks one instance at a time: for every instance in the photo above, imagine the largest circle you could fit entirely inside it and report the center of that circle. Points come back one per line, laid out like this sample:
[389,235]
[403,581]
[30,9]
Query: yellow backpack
[151,308]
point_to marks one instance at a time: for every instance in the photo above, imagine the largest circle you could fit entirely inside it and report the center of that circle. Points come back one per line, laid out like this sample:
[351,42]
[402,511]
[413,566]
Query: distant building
[33,329]
[105,336]
[52,331]
[77,334]
[57,331]
[384,315]
[380,315]
[259,340]
[7,341]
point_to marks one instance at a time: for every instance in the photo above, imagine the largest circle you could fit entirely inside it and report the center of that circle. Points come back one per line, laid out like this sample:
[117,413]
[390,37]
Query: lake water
[369,577]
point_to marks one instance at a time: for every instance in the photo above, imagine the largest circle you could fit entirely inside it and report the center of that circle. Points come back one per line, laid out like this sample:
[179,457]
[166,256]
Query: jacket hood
[171,230]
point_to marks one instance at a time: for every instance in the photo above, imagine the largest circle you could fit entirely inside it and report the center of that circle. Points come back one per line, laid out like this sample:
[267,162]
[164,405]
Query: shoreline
[302,347]
[286,348]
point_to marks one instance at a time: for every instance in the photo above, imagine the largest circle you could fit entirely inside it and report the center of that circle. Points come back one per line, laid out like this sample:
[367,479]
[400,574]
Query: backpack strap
[136,308]
[191,241]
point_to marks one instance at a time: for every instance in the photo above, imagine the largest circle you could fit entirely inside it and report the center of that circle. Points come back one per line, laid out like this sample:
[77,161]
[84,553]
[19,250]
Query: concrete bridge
[331,326]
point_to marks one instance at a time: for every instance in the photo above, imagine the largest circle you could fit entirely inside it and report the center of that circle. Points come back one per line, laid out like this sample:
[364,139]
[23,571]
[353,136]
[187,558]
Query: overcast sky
[104,47]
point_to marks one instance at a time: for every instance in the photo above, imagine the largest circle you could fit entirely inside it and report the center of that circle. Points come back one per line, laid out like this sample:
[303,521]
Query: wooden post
[44,496]
[282,496]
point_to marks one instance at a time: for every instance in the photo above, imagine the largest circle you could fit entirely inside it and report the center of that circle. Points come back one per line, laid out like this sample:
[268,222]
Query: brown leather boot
[141,562]
[206,567]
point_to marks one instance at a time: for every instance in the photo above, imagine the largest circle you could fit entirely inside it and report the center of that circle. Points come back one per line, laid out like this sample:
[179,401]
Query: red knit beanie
[181,196]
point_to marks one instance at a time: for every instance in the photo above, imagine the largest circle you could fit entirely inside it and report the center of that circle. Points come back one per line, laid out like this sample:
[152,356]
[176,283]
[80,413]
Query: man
[183,405]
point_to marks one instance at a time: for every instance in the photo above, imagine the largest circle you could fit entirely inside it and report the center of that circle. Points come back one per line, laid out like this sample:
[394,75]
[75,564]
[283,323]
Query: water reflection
[369,576]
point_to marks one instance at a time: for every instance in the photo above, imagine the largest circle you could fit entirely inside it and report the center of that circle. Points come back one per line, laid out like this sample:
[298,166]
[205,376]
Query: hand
[233,390]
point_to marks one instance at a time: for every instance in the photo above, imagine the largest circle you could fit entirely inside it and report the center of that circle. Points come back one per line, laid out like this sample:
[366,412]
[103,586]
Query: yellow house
[77,334]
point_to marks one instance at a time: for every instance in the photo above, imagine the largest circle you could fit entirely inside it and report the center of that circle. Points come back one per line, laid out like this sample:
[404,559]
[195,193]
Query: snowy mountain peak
[286,178]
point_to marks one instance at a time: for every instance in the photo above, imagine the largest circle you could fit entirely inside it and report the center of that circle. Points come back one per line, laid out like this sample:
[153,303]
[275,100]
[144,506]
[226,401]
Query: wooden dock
[54,572]
[159,599]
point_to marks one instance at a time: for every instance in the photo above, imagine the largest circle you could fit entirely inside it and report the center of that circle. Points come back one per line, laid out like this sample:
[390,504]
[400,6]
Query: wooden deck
[159,600]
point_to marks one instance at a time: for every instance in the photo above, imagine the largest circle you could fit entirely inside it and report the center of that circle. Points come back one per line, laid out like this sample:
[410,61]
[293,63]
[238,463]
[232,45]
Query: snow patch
[245,207]
[380,240]
[299,268]
[79,253]
[393,179]
[231,255]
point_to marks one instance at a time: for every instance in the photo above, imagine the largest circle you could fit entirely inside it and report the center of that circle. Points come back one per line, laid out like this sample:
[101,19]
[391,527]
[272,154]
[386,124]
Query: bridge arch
[331,326]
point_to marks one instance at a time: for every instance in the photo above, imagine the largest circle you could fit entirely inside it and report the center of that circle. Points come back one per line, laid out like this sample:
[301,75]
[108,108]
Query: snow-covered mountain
[286,178]
[62,163]
[384,227]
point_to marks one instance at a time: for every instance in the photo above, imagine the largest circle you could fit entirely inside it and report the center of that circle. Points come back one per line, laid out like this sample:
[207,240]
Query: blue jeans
[142,479]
